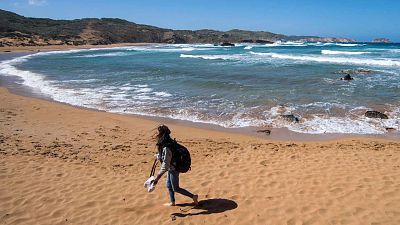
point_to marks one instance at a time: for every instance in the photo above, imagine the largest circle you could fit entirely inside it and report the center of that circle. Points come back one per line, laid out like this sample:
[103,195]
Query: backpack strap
[153,169]
[172,146]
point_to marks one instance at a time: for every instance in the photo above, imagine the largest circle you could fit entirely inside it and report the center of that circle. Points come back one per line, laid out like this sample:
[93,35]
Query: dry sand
[62,47]
[64,165]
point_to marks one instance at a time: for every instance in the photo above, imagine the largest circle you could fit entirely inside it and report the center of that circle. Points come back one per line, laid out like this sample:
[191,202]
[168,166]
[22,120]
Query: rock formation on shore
[381,40]
[328,39]
[16,30]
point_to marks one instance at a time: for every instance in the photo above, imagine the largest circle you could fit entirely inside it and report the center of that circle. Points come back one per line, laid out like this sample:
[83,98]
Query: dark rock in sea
[227,44]
[347,77]
[247,41]
[363,71]
[290,118]
[390,129]
[264,42]
[355,71]
[376,114]
[267,132]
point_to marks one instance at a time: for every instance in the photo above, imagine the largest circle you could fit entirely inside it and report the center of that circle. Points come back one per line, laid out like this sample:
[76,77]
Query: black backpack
[180,156]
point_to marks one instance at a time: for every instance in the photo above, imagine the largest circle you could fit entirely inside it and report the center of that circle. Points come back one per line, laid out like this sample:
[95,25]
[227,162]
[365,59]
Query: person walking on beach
[164,139]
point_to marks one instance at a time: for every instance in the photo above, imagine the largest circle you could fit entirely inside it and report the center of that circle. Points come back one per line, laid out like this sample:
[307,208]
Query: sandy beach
[14,49]
[64,165]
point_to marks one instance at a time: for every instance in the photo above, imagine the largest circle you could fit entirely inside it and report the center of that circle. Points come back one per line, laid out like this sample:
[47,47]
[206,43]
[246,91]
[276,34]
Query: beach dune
[65,165]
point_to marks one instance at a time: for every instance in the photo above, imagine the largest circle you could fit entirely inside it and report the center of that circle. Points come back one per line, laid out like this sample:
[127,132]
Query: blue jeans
[173,185]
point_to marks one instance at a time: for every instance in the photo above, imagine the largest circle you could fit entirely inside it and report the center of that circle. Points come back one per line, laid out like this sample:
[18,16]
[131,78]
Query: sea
[248,85]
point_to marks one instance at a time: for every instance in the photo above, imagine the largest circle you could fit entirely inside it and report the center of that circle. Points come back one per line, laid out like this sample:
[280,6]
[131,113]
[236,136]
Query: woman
[165,156]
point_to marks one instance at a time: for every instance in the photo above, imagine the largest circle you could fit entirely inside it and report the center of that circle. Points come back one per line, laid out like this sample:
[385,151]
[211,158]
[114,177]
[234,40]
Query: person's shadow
[209,206]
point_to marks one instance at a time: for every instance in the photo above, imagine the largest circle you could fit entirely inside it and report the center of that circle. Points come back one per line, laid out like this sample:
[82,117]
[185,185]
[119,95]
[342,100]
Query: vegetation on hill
[16,30]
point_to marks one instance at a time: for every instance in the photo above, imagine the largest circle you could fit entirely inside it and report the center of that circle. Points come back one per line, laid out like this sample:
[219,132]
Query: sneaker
[169,204]
[195,199]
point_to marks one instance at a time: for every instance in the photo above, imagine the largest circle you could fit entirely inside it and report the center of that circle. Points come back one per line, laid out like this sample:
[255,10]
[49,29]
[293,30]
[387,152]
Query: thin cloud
[36,2]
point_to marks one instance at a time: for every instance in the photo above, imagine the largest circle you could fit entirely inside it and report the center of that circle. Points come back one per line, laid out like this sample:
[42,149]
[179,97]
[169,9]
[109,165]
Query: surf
[336,60]
[331,52]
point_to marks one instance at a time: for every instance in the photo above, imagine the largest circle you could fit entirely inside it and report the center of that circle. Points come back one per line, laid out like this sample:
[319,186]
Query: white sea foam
[248,47]
[202,56]
[354,123]
[324,105]
[348,44]
[164,49]
[101,98]
[330,52]
[356,61]
[309,58]
[315,125]
[190,45]
[288,43]
[110,54]
[394,119]
[162,94]
[319,125]
[340,44]
[223,57]
[128,88]
[293,43]
[140,85]
[304,44]
[80,81]
[38,82]
[145,89]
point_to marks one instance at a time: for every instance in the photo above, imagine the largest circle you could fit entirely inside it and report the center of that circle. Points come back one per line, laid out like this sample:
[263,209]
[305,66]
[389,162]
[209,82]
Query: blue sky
[361,20]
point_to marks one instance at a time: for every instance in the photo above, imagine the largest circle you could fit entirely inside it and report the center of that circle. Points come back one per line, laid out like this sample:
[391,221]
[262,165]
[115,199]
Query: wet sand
[64,165]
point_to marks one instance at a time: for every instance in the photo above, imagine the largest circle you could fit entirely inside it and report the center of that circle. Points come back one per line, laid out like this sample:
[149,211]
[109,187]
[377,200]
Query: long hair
[162,137]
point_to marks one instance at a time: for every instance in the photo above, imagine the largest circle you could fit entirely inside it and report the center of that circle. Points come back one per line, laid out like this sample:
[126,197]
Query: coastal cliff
[381,40]
[16,30]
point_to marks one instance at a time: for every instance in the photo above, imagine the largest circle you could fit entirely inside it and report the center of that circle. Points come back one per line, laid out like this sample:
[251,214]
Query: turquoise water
[242,86]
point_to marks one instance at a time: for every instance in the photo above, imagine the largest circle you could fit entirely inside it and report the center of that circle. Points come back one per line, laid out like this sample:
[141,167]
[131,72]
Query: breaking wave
[330,52]
[102,97]
[338,60]
[213,57]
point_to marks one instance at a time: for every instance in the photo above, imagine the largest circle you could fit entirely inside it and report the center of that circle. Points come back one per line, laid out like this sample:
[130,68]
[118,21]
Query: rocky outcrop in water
[227,44]
[355,71]
[376,114]
[291,118]
[347,77]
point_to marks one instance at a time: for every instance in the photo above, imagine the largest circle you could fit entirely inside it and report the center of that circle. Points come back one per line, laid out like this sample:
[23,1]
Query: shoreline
[277,134]
[32,49]
[38,48]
